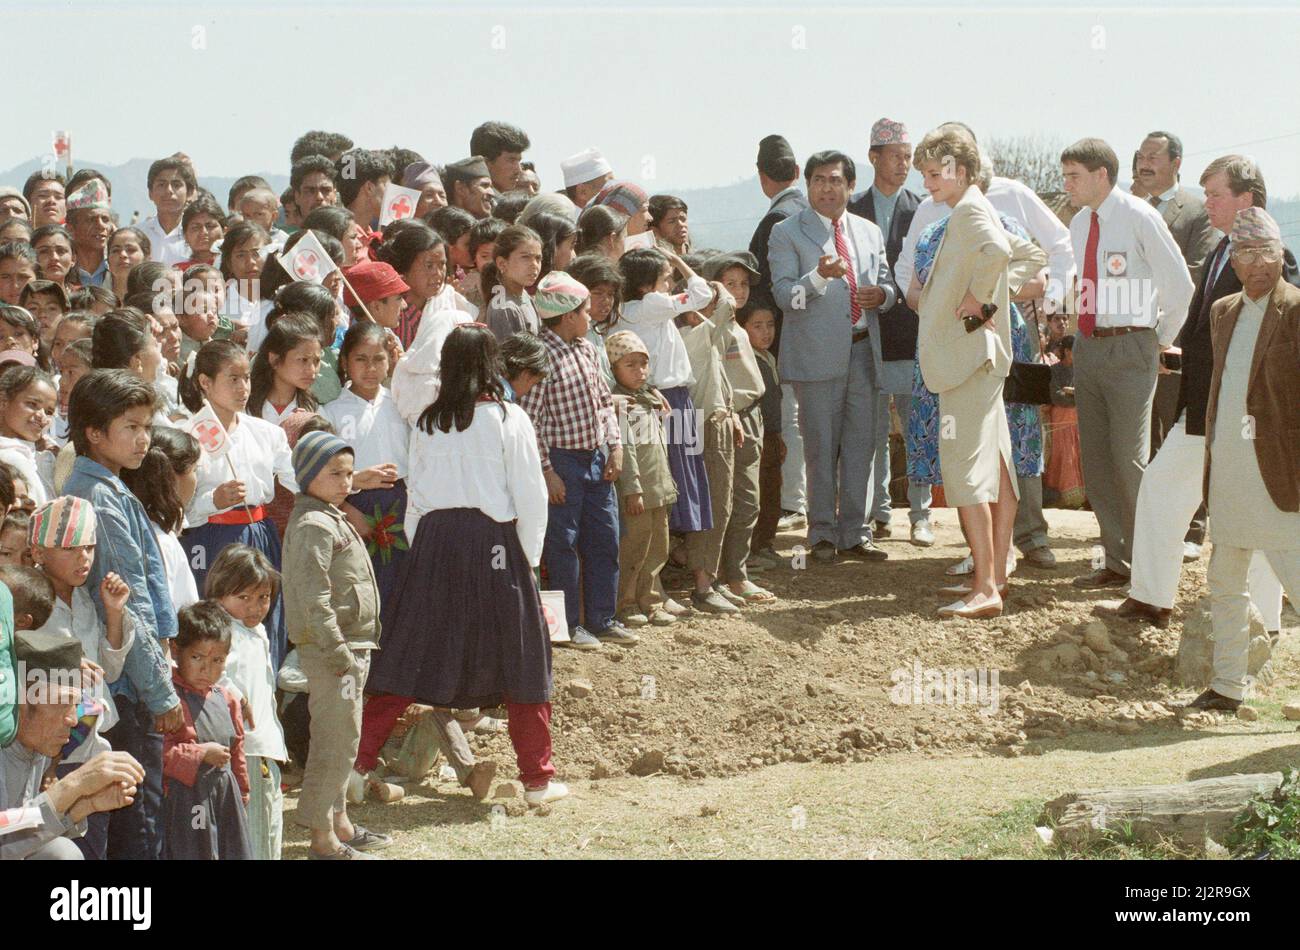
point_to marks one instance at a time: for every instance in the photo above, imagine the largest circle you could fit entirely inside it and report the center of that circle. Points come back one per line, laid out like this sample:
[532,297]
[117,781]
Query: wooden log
[1184,815]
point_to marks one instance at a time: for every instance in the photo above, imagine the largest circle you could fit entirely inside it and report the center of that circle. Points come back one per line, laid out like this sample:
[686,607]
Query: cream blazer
[976,255]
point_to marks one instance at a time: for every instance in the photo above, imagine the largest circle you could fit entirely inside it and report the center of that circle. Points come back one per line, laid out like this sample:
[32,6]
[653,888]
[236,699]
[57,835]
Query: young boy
[62,540]
[201,320]
[582,456]
[331,603]
[646,485]
[758,318]
[109,414]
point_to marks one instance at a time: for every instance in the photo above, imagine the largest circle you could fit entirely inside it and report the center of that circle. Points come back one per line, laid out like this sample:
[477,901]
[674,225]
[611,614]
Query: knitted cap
[889,132]
[622,343]
[65,522]
[372,280]
[7,191]
[558,294]
[625,196]
[585,166]
[1254,224]
[93,195]
[312,453]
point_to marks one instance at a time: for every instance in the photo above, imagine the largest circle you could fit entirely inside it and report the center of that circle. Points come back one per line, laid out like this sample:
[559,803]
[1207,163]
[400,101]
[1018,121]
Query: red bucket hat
[372,280]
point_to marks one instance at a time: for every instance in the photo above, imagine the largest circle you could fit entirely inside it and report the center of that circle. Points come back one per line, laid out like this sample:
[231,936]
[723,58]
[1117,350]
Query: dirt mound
[852,663]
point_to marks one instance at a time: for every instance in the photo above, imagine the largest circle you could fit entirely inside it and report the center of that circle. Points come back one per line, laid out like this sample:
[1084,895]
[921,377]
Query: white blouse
[277,418]
[376,430]
[180,579]
[492,466]
[651,318]
[36,468]
[248,670]
[259,452]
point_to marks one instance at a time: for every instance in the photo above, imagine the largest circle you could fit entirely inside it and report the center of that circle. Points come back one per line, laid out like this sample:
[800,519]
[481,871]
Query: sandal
[754,594]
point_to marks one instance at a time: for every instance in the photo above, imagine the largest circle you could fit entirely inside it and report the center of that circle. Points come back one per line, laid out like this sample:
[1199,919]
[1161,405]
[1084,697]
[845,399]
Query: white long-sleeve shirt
[376,430]
[248,670]
[493,466]
[1142,279]
[651,318]
[416,378]
[260,454]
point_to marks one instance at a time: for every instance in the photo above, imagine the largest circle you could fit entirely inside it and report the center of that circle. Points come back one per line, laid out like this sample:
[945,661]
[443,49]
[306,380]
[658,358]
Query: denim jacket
[127,547]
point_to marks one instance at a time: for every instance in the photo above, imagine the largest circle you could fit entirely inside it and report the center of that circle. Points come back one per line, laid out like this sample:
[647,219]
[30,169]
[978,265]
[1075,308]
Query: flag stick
[357,297]
[231,465]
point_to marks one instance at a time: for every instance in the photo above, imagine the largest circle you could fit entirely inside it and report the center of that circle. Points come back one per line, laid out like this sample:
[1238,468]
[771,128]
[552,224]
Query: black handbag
[1028,383]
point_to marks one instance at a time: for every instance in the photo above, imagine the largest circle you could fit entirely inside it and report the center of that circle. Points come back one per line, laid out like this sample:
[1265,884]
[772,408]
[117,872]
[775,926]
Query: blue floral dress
[923,419]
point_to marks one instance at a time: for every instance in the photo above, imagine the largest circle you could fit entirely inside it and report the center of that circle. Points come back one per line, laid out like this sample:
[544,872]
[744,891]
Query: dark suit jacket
[1194,338]
[898,325]
[1272,394]
[790,203]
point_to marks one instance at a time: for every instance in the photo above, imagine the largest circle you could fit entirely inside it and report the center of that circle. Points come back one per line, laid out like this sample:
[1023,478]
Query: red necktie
[842,249]
[1088,298]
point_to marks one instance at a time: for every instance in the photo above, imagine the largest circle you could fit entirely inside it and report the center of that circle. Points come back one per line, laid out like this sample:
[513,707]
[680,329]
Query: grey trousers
[335,706]
[881,503]
[1114,383]
[1031,526]
[837,418]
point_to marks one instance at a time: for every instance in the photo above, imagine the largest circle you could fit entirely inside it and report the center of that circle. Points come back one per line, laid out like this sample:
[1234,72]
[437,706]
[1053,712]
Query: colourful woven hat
[625,196]
[623,343]
[1254,224]
[93,195]
[65,522]
[889,132]
[558,294]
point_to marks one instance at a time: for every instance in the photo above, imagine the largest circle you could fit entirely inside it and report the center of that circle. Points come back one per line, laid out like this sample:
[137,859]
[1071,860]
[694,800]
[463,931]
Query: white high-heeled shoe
[978,610]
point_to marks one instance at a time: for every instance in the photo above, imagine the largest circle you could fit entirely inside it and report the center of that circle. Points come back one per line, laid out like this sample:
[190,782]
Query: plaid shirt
[571,408]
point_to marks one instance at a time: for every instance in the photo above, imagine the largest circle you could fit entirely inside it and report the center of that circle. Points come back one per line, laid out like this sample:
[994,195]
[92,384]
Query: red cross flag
[399,203]
[63,147]
[211,434]
[307,260]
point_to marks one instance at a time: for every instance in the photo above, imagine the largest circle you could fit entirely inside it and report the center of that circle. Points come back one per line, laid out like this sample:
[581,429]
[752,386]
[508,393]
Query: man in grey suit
[830,278]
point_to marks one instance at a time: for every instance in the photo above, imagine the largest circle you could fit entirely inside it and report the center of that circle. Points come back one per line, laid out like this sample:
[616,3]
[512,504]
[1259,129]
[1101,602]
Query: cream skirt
[973,439]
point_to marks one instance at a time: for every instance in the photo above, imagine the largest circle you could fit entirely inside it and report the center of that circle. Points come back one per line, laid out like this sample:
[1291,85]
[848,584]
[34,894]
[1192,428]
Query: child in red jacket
[205,777]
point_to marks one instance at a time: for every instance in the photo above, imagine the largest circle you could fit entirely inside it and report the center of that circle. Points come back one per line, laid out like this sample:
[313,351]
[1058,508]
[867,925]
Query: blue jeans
[135,832]
[584,529]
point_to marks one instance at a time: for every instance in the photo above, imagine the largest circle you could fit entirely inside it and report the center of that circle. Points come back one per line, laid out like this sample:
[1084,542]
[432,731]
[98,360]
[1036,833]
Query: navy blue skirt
[385,510]
[465,626]
[215,538]
[693,510]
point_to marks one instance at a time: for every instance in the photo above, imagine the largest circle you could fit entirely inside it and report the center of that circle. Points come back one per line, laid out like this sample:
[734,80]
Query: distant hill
[722,217]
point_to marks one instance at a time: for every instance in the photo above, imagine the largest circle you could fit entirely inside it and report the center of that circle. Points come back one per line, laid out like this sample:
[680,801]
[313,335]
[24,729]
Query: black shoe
[1143,612]
[1215,701]
[1102,577]
[880,529]
[823,552]
[867,551]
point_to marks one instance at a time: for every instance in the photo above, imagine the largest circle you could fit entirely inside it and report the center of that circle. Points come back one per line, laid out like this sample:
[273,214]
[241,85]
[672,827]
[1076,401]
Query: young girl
[200,321]
[18,331]
[127,247]
[244,583]
[476,489]
[340,224]
[231,509]
[27,404]
[47,302]
[165,483]
[482,248]
[602,230]
[203,224]
[71,327]
[600,275]
[419,254]
[505,283]
[13,536]
[241,268]
[365,417]
[454,224]
[285,369]
[313,300]
[649,312]
[558,236]
[124,339]
[375,290]
[204,770]
[75,361]
[53,246]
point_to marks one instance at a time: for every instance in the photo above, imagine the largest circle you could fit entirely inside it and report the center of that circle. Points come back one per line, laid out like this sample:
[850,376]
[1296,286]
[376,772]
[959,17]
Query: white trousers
[1230,609]
[1167,500]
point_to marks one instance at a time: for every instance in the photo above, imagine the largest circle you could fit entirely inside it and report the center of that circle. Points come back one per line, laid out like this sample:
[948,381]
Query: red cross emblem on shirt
[400,208]
[210,435]
[306,265]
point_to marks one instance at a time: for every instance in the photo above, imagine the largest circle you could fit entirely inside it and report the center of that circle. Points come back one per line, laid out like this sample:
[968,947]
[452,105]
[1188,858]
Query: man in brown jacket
[1252,449]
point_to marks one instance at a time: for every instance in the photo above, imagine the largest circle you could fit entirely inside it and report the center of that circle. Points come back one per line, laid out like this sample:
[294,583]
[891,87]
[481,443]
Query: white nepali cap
[585,166]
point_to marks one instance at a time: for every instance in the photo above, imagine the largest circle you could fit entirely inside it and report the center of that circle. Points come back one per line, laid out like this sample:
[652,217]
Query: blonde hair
[1243,176]
[949,142]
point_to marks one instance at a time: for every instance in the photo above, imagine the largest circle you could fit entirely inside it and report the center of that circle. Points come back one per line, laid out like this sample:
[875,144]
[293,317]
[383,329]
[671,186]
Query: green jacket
[645,453]
[331,600]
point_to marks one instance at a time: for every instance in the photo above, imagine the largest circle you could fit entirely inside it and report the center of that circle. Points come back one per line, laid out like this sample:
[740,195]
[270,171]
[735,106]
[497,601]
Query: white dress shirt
[1142,279]
[1019,202]
[249,672]
[927,212]
[376,430]
[651,318]
[259,452]
[493,466]
[165,247]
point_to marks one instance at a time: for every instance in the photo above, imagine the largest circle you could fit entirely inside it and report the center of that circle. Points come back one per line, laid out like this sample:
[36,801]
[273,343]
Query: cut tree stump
[1185,815]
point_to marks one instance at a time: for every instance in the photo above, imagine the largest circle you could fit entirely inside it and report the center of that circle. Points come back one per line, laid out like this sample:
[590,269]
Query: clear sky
[675,95]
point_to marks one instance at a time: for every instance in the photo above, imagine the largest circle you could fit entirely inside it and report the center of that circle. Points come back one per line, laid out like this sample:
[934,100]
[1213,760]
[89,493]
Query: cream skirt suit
[968,370]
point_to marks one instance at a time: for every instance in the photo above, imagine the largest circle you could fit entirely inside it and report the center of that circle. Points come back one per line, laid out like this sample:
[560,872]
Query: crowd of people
[275,471]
